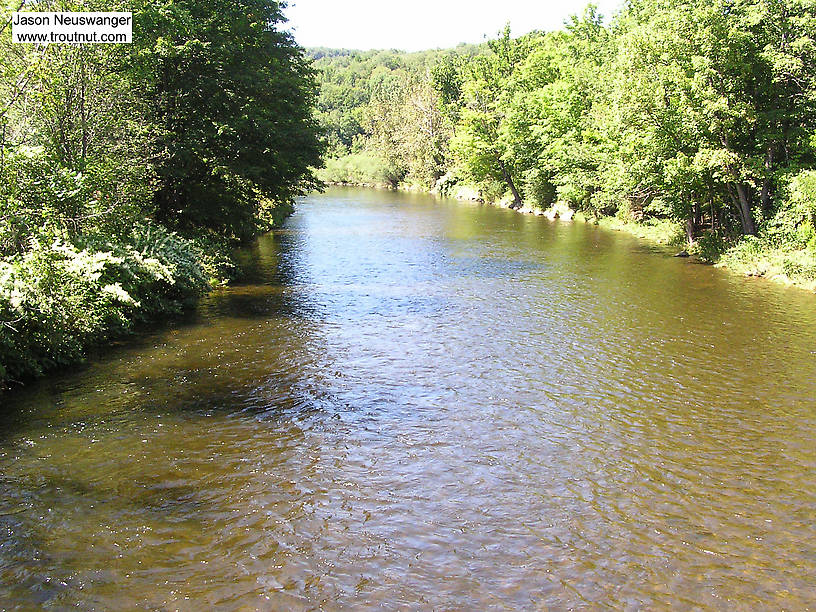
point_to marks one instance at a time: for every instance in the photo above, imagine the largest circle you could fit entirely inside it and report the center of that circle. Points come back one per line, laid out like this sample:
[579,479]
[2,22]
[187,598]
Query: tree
[476,144]
[233,96]
[722,94]
[408,128]
[552,104]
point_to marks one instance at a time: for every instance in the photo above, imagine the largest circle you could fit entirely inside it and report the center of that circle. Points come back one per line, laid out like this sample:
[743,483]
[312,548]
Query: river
[427,404]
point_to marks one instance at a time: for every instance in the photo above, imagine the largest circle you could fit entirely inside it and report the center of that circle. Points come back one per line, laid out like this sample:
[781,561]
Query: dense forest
[695,117]
[127,172]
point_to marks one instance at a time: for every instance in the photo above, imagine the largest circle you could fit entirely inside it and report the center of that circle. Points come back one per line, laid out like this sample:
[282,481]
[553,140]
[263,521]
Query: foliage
[364,168]
[396,107]
[755,256]
[409,130]
[56,299]
[349,81]
[234,98]
[659,231]
[710,246]
[691,114]
[795,222]
[480,145]
[204,125]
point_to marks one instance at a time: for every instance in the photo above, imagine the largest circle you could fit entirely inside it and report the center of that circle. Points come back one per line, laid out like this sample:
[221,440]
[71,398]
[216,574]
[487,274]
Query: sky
[413,25]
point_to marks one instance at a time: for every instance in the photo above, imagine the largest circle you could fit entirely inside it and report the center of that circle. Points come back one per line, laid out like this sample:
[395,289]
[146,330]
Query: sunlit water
[423,404]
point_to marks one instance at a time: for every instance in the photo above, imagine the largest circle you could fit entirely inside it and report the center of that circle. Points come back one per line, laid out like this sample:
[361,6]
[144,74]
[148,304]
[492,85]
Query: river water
[425,404]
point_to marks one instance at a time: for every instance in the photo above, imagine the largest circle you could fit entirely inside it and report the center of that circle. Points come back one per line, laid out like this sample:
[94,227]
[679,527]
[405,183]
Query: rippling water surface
[422,404]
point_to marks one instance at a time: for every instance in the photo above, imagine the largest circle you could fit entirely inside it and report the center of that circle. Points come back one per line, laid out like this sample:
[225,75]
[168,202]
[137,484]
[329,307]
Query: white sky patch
[424,24]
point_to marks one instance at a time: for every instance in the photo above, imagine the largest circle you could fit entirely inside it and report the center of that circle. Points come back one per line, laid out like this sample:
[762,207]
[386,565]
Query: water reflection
[425,404]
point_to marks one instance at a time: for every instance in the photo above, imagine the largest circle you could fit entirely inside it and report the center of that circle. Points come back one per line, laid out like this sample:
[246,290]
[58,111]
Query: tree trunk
[743,199]
[509,180]
[746,218]
[693,222]
[690,230]
[82,114]
[765,197]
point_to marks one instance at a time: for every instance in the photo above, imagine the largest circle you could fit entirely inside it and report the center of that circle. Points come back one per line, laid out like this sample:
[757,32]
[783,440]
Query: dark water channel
[423,404]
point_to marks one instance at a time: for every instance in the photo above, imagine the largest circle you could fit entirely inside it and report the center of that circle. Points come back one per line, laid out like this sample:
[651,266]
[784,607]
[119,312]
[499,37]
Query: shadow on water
[271,283]
[75,446]
[162,369]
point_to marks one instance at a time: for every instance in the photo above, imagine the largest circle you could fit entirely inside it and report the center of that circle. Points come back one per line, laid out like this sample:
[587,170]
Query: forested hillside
[677,113]
[128,171]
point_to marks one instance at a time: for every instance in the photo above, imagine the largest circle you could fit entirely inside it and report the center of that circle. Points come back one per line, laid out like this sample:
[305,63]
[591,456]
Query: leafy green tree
[447,79]
[728,87]
[552,113]
[233,96]
[480,152]
[689,110]
[204,123]
[408,128]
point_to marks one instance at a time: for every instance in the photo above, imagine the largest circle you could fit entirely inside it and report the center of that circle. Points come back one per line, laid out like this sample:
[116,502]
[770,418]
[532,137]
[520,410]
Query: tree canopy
[691,110]
[128,171]
[202,124]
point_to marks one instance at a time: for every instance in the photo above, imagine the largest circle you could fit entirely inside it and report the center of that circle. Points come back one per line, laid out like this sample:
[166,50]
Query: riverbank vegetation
[691,113]
[128,173]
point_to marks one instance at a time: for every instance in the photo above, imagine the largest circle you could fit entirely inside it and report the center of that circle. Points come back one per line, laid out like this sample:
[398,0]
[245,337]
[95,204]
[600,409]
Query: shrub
[38,197]
[795,222]
[710,246]
[538,188]
[215,257]
[492,191]
[59,298]
[761,257]
[359,169]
